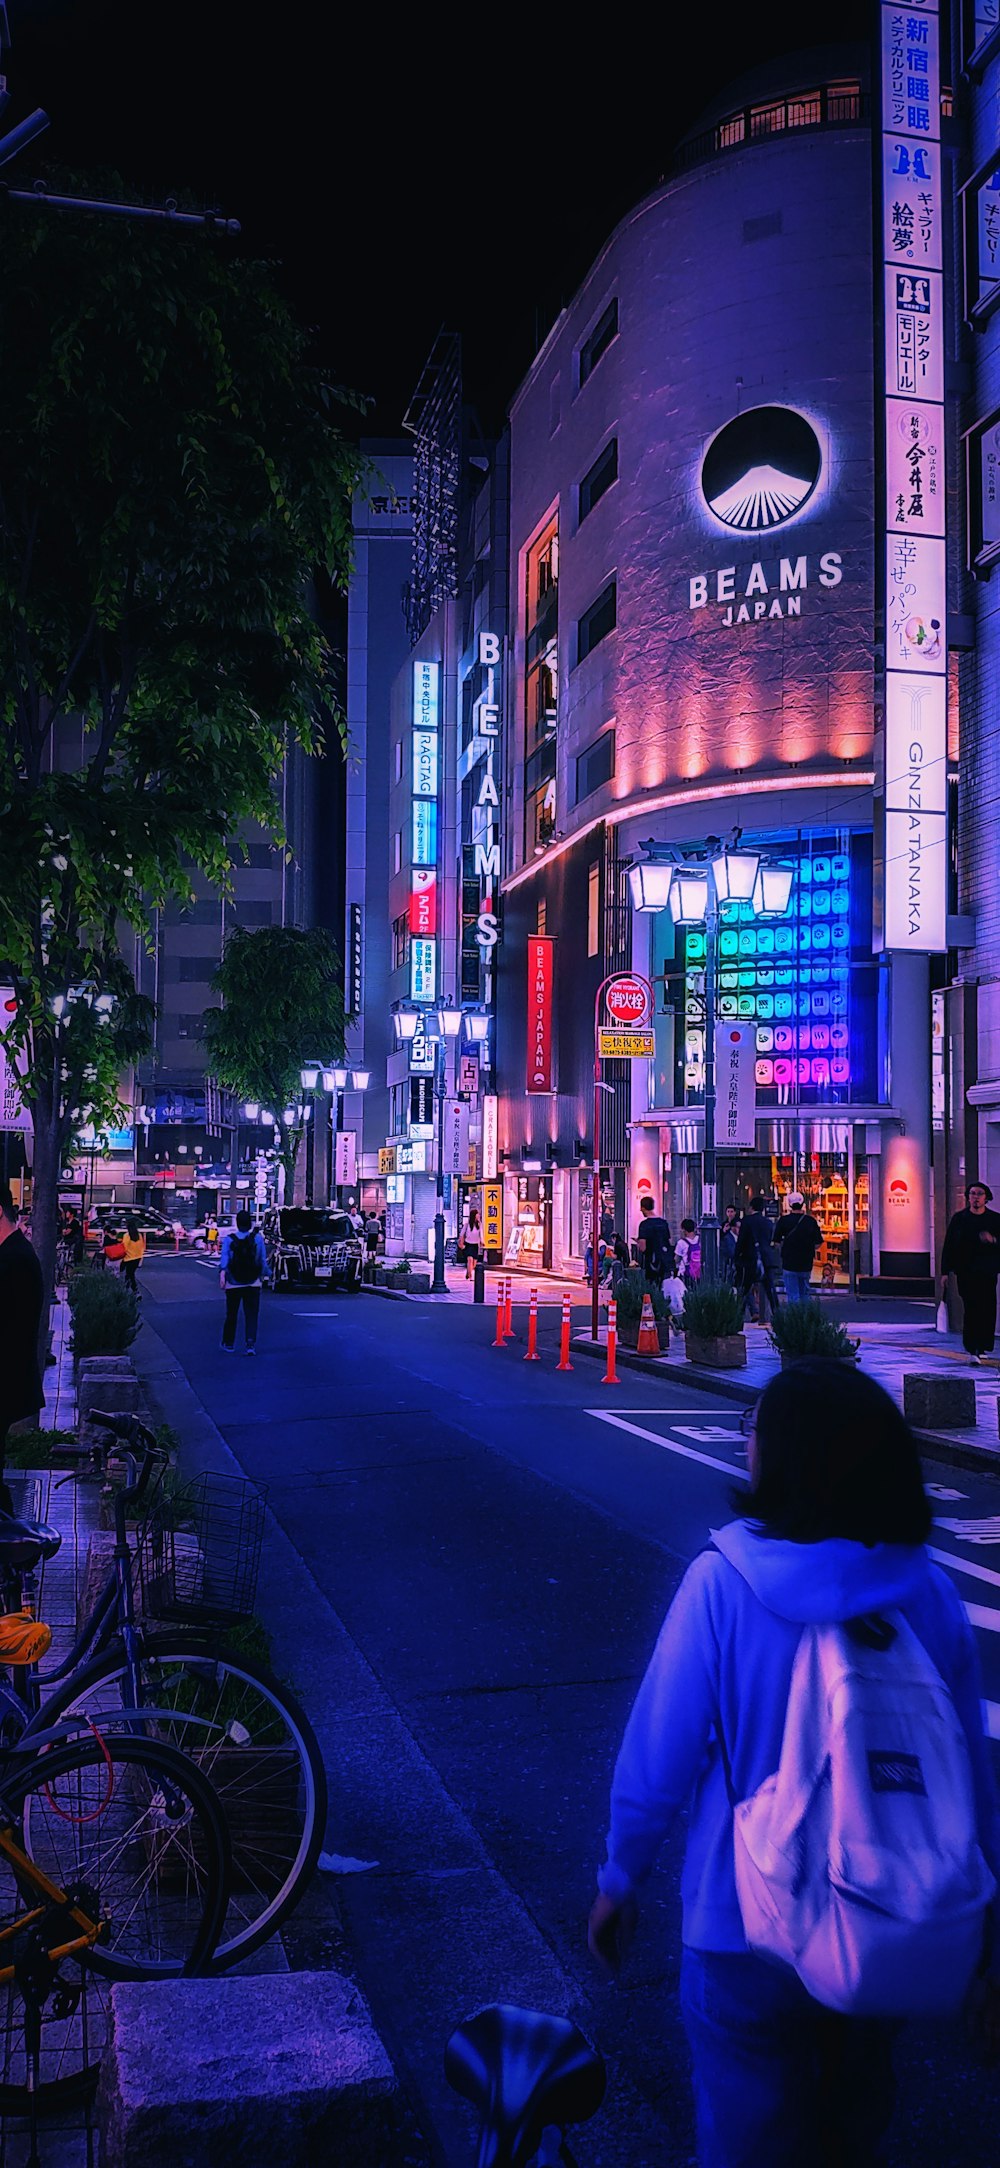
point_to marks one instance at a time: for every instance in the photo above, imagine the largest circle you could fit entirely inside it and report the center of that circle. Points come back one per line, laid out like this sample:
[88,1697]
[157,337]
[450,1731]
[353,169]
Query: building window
[541,916]
[258,856]
[207,912]
[982,455]
[597,342]
[253,914]
[397,1110]
[400,940]
[594,907]
[981,19]
[196,967]
[598,621]
[554,404]
[190,1027]
[981,199]
[598,478]
[397,851]
[399,760]
[806,111]
[541,812]
[596,766]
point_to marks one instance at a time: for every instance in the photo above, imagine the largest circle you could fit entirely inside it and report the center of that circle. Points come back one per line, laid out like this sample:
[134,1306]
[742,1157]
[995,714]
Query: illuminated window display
[807,981]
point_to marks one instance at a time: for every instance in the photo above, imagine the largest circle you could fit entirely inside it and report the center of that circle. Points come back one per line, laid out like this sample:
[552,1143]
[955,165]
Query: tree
[171,472]
[282,1006]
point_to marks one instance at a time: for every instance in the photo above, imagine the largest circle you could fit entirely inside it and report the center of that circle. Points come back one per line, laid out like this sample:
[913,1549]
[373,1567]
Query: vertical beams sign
[912,817]
[426,738]
[540,965]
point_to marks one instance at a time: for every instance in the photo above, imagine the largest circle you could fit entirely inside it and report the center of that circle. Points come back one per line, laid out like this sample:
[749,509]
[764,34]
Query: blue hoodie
[724,1656]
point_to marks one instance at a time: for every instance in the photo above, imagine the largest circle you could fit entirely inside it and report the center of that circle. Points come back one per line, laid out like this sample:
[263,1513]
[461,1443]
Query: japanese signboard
[423,900]
[346,1170]
[627,999]
[421,1106]
[355,961]
[493,1215]
[423,970]
[541,949]
[387,1159]
[911,815]
[735,1088]
[625,1045]
[989,475]
[456,1138]
[421,1050]
[13,1113]
[491,1135]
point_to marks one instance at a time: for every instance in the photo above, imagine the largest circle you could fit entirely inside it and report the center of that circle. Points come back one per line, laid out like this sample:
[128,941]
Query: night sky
[405,175]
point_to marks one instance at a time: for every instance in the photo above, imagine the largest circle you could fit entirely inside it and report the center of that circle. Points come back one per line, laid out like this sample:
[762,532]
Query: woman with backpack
[687,1254]
[242,1272]
[815,1665]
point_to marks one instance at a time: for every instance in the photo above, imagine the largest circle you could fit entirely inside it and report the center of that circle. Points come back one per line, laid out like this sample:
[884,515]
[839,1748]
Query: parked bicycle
[527,2075]
[183,1680]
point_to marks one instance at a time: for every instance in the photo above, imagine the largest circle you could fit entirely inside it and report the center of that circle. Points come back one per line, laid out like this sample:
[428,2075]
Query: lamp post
[444,1024]
[694,889]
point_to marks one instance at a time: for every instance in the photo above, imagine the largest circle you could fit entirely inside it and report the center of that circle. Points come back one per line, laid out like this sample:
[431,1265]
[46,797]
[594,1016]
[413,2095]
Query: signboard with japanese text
[424,841]
[355,985]
[541,954]
[346,1163]
[411,1158]
[735,1085]
[387,1159]
[911,803]
[493,1216]
[421,1106]
[491,1136]
[423,900]
[625,1045]
[626,999]
[421,1050]
[425,764]
[13,1112]
[468,1075]
[456,1138]
[423,970]
[989,476]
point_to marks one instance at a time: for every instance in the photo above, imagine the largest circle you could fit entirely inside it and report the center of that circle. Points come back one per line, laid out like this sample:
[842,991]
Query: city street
[499,1544]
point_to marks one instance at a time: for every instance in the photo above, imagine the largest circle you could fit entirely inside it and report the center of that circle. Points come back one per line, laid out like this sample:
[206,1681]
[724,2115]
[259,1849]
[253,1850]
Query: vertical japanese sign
[425,770]
[491,1136]
[493,1217]
[346,1170]
[911,810]
[541,950]
[735,1085]
[13,1112]
[456,1138]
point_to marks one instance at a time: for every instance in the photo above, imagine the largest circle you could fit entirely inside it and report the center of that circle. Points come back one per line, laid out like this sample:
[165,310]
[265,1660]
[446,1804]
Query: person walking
[755,1262]
[242,1272]
[833,1528]
[134,1244]
[687,1254]
[972,1252]
[472,1240]
[21,1297]
[653,1243]
[728,1238]
[798,1236]
[372,1232]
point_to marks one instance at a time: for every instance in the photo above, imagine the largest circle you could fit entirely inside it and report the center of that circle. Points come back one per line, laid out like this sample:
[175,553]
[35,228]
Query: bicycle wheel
[134,1827]
[247,1732]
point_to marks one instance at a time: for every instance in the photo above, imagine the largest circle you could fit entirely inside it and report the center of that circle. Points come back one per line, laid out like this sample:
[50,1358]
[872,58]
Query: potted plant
[629,1293]
[713,1326]
[799,1329]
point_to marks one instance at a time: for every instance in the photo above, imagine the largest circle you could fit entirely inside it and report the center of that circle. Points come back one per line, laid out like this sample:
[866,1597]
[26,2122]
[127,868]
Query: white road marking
[964,1565]
[703,1433]
[991,1711]
[982,1614]
[670,1445]
[659,1415]
[982,1531]
[940,1490]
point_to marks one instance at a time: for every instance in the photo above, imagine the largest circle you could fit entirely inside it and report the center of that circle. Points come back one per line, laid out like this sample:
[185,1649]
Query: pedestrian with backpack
[242,1272]
[813,1699]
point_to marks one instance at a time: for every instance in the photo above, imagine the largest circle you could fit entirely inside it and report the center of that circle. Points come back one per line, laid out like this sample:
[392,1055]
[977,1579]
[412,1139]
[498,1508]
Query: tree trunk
[46,1167]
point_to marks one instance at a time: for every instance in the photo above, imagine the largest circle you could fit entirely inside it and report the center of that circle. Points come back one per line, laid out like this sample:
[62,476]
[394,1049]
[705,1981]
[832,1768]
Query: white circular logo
[761,469]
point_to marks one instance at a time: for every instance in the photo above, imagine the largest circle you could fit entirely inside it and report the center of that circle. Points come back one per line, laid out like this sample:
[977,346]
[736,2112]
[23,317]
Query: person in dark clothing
[972,1252]
[21,1296]
[242,1272]
[729,1235]
[607,1224]
[653,1242]
[755,1260]
[798,1236]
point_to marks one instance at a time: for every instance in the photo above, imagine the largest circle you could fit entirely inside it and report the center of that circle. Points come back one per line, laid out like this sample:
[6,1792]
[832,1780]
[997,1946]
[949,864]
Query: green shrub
[713,1312]
[800,1328]
[104,1311]
[33,1448]
[629,1292]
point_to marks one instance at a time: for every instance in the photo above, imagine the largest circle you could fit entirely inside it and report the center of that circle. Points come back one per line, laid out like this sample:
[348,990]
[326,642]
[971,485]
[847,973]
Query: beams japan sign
[541,954]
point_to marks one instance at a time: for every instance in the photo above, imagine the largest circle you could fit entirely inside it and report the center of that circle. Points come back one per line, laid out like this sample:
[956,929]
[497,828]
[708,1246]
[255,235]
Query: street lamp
[443,1024]
[694,891]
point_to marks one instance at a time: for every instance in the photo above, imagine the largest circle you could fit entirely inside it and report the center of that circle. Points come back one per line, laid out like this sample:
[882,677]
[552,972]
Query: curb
[959,1453]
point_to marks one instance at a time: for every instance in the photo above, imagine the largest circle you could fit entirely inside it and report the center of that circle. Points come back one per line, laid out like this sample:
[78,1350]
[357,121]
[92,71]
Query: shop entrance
[836,1187]
[529,1241]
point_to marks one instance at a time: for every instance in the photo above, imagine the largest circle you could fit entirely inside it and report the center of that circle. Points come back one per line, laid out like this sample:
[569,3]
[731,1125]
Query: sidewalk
[888,1352]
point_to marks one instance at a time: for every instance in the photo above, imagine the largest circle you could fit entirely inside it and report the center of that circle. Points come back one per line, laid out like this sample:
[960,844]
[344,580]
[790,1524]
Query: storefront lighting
[362,1078]
[773,890]
[735,875]
[309,1076]
[650,885]
[449,1023]
[689,896]
[531,1166]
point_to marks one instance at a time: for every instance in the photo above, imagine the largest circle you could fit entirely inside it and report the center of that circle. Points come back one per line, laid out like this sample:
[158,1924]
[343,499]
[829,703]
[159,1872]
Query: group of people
[750,1245]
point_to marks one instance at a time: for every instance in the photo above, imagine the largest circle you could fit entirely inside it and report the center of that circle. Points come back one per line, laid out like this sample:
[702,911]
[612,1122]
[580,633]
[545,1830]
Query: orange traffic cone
[564,1361]
[501,1314]
[648,1342]
[611,1376]
[533,1355]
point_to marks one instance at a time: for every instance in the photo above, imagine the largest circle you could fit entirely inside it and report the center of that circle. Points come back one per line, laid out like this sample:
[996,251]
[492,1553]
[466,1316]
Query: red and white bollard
[564,1361]
[532,1355]
[508,1322]
[501,1316]
[611,1376]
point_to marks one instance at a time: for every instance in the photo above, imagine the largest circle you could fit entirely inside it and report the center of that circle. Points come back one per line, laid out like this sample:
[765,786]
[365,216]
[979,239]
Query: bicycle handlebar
[126,1427]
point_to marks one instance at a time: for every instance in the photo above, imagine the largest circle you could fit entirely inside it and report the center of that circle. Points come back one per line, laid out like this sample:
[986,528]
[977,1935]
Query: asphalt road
[500,1543]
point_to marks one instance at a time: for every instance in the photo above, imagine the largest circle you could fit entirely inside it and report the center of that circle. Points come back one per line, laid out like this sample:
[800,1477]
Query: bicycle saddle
[522,2070]
[23,1543]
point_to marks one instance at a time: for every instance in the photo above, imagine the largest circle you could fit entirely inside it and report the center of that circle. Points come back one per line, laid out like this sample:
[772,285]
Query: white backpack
[857,1862]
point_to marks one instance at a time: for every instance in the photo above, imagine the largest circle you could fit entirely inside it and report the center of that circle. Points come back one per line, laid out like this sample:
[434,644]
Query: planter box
[851,1361]
[628,1334]
[727,1353]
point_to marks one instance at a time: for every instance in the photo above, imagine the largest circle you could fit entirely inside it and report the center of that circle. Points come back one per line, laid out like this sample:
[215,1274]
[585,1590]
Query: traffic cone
[611,1376]
[564,1361]
[648,1342]
[532,1355]
[501,1313]
[508,1327]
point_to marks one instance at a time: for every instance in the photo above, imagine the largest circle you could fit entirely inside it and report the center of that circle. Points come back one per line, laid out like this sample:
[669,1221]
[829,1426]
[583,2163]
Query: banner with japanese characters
[911,816]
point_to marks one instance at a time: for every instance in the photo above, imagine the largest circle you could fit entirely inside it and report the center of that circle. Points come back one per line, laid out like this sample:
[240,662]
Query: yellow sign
[387,1159]
[493,1215]
[625,1045]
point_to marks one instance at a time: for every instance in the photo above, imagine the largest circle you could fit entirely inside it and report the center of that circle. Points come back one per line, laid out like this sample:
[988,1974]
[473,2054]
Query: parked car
[310,1247]
[160,1232]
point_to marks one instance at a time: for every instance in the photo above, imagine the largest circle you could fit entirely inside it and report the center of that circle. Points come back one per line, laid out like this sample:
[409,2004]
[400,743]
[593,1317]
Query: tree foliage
[282,1007]
[172,468]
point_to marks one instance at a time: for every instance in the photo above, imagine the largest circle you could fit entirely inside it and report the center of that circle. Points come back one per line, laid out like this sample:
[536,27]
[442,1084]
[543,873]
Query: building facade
[700,608]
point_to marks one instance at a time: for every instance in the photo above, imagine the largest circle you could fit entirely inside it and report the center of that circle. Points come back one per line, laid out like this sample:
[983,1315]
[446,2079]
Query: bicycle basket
[199,1552]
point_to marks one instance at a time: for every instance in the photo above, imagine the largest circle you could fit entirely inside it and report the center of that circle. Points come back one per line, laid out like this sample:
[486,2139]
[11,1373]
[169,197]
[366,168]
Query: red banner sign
[423,900]
[540,969]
